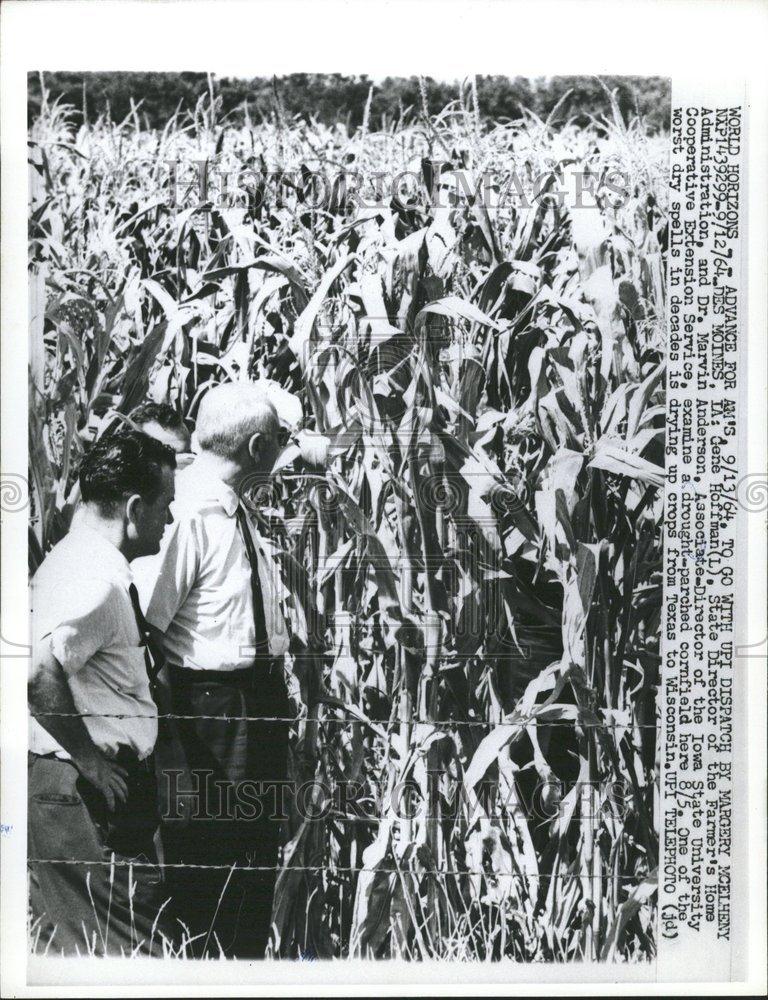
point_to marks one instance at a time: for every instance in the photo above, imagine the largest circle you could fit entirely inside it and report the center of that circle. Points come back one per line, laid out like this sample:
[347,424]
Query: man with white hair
[210,592]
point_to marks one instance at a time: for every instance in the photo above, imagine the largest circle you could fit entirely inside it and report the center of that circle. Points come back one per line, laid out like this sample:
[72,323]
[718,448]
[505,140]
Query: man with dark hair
[92,795]
[163,423]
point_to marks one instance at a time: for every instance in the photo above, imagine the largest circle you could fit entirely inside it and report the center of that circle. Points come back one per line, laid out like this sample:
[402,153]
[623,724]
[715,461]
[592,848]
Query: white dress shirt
[197,589]
[82,610]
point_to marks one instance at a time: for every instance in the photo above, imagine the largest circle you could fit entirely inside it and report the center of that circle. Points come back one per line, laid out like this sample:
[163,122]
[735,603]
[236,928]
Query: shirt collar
[200,487]
[101,552]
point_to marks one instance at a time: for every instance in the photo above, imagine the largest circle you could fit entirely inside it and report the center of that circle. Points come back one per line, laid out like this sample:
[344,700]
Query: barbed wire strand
[332,870]
[352,719]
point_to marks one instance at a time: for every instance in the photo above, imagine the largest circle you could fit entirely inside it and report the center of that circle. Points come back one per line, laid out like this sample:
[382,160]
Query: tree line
[152,98]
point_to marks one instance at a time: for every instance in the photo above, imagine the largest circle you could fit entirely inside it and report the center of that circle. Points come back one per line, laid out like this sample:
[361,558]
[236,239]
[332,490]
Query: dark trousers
[234,809]
[89,893]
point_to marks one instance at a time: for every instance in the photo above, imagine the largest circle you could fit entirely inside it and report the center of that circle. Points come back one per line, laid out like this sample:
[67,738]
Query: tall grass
[472,540]
[164,941]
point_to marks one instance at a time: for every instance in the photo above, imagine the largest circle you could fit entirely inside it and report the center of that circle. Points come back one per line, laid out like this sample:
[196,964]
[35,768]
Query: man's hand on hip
[105,775]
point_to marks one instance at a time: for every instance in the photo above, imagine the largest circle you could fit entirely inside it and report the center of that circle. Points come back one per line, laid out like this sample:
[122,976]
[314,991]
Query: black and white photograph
[382,512]
[400,346]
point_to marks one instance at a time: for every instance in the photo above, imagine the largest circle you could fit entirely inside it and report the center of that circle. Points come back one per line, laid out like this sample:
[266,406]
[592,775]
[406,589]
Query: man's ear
[132,507]
[254,446]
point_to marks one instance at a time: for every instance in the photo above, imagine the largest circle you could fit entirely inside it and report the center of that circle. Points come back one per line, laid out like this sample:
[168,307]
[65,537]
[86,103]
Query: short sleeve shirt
[197,589]
[82,611]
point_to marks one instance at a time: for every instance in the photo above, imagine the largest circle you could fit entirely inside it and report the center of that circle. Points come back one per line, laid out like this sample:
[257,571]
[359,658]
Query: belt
[51,755]
[243,677]
[125,756]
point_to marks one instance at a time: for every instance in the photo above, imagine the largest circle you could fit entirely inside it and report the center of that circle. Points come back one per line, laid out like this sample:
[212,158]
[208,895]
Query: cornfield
[470,532]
